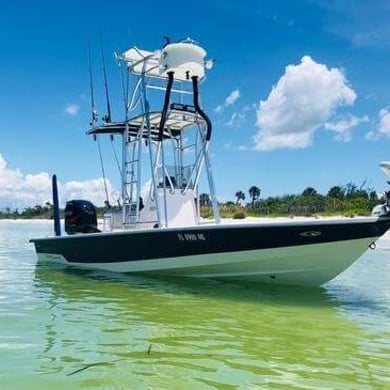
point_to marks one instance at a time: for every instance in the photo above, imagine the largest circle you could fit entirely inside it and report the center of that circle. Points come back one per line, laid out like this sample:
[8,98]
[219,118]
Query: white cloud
[240,148]
[383,129]
[218,109]
[228,145]
[18,190]
[384,125]
[229,101]
[237,118]
[343,127]
[303,100]
[92,190]
[72,109]
[371,136]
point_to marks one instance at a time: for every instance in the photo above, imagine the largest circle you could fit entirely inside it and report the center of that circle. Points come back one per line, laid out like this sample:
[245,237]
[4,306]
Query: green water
[72,329]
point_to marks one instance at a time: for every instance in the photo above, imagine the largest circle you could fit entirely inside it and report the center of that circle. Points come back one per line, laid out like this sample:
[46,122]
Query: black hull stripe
[168,243]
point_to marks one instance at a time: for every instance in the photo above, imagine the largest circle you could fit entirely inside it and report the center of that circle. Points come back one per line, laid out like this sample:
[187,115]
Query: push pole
[56,214]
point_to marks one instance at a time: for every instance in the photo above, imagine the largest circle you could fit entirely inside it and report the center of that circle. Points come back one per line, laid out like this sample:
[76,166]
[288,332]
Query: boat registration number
[191,237]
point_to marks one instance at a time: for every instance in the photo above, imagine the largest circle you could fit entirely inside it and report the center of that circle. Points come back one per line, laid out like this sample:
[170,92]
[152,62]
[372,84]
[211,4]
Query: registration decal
[191,237]
[310,233]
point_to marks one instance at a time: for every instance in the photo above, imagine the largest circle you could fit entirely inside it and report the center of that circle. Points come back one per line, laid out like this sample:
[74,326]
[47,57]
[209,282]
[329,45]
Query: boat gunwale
[224,225]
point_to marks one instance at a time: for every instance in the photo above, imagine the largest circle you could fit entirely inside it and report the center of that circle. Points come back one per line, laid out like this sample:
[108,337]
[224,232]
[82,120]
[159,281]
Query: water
[72,329]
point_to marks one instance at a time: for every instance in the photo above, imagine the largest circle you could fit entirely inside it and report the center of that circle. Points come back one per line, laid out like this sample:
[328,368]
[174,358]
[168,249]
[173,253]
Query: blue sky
[299,94]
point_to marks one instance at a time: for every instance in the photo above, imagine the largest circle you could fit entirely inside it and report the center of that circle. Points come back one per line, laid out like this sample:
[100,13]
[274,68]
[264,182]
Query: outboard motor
[383,210]
[80,217]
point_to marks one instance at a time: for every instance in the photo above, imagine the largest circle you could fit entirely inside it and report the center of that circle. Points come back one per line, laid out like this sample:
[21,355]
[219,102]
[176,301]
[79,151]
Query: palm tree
[240,196]
[204,199]
[254,193]
[309,191]
[336,192]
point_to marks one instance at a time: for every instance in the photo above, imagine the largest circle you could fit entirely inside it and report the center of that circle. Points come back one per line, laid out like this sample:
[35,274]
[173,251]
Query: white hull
[309,265]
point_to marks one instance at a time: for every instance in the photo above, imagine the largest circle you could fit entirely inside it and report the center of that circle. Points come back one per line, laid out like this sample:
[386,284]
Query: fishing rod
[92,123]
[107,117]
[94,115]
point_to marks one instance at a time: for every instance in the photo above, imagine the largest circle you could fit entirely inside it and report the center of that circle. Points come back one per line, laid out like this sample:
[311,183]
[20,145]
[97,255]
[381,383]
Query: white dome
[185,59]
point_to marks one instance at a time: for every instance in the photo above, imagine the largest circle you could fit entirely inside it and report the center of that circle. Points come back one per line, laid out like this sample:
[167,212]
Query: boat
[156,227]
[385,166]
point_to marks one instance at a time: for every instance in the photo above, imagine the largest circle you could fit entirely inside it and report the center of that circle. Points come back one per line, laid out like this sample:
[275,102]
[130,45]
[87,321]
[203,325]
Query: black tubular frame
[199,110]
[166,105]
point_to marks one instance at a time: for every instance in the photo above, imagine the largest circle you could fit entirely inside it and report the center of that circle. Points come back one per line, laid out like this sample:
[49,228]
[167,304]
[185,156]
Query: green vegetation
[35,212]
[38,212]
[348,200]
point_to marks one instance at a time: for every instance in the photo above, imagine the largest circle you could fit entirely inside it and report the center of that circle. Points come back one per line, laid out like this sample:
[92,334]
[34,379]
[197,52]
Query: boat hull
[301,253]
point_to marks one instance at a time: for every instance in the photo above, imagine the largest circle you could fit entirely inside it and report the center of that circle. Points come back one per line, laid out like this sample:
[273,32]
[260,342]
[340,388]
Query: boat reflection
[167,332]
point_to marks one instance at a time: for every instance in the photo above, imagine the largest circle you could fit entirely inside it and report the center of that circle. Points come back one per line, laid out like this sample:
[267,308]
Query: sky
[299,94]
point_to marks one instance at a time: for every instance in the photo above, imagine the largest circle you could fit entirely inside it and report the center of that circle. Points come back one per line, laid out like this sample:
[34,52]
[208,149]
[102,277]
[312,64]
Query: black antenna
[94,116]
[107,117]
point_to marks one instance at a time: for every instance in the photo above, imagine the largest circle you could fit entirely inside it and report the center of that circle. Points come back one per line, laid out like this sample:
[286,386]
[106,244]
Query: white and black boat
[159,230]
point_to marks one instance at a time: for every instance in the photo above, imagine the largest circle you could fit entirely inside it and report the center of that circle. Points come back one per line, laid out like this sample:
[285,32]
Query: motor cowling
[381,210]
[80,217]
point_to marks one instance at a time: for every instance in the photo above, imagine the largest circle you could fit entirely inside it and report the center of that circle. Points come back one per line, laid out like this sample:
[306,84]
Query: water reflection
[187,333]
[72,329]
[363,291]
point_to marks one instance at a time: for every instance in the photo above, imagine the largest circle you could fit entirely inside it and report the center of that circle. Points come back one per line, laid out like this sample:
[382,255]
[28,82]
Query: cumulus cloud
[229,101]
[93,190]
[72,109]
[343,127]
[303,100]
[384,125]
[18,190]
[383,129]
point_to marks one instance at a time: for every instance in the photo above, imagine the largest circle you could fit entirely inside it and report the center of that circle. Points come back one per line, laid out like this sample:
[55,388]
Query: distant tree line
[37,211]
[348,200]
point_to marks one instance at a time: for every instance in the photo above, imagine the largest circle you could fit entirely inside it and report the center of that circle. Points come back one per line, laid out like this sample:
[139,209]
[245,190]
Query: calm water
[67,329]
